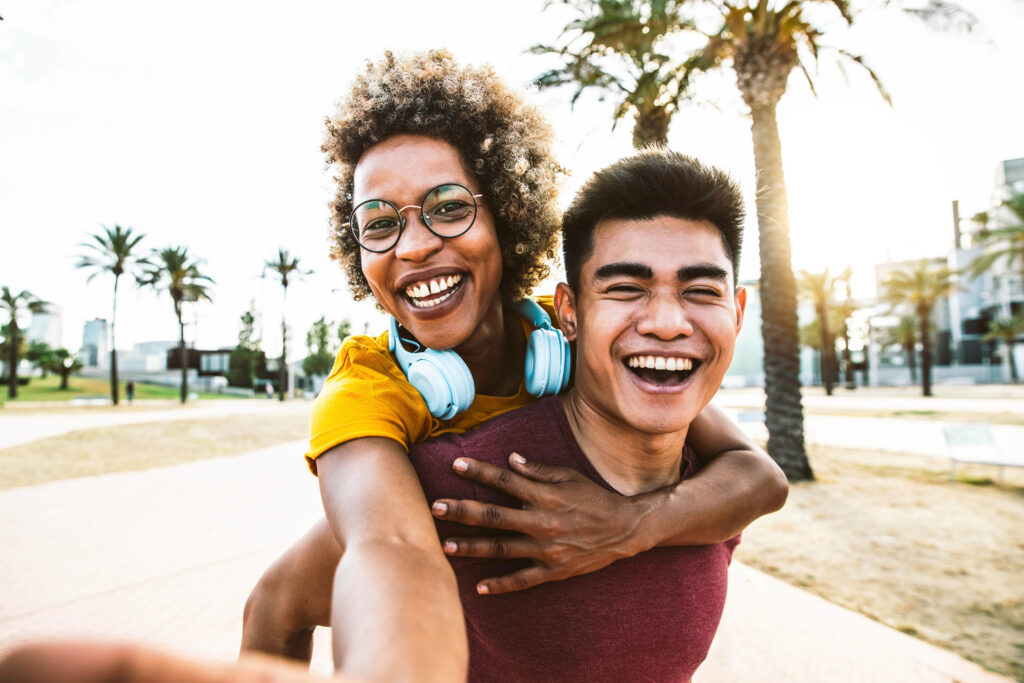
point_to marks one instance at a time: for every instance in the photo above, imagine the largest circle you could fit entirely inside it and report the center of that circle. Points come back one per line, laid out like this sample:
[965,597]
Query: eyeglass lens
[447,210]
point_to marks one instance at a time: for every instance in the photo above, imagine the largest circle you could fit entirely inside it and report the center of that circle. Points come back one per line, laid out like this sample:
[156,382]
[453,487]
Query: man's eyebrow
[701,271]
[624,269]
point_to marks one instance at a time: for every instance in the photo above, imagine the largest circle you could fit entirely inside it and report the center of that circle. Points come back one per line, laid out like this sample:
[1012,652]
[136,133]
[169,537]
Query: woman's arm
[572,526]
[398,614]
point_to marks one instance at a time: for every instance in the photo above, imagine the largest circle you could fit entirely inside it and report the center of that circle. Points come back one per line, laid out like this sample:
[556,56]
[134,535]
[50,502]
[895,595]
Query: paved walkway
[167,556]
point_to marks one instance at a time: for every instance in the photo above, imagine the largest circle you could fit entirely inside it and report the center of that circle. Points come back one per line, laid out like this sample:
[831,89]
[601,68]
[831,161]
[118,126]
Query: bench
[973,443]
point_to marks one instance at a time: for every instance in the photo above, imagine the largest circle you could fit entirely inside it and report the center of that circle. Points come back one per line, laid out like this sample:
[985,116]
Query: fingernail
[450,547]
[482,589]
[460,465]
[518,459]
[439,508]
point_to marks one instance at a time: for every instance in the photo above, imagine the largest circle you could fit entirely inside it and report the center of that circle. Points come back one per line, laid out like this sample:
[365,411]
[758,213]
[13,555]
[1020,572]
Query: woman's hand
[570,524]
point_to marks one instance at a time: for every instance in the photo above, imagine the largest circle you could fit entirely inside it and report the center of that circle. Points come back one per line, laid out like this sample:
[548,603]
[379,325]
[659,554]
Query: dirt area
[888,535]
[141,446]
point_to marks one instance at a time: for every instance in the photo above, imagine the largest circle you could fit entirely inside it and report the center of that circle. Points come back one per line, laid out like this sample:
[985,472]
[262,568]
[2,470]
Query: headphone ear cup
[547,353]
[443,380]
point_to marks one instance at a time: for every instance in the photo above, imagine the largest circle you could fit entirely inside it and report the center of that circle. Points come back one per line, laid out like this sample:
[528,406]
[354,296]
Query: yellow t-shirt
[367,394]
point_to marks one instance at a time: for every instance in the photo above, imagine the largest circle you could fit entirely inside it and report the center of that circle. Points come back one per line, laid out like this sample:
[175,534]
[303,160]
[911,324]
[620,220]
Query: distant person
[269,388]
[129,391]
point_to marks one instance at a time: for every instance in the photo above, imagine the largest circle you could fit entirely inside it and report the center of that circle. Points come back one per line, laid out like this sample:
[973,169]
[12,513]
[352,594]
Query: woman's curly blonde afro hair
[505,142]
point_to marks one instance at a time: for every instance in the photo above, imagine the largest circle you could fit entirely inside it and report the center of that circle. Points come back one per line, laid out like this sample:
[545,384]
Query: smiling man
[651,246]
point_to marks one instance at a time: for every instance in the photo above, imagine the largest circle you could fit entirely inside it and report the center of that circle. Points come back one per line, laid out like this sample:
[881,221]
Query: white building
[95,352]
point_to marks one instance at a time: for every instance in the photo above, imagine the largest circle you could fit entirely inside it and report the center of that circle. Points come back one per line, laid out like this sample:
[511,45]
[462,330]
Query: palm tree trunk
[182,355]
[826,346]
[650,128]
[926,353]
[848,359]
[113,348]
[784,410]
[283,370]
[1013,361]
[12,358]
[911,362]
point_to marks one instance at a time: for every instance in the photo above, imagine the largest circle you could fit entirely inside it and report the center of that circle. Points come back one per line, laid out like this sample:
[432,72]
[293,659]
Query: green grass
[39,389]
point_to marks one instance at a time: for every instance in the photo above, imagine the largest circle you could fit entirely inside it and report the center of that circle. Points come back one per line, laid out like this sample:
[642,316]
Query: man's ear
[741,306]
[565,307]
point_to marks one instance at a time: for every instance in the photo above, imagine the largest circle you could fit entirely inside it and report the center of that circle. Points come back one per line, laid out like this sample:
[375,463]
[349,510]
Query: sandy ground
[891,537]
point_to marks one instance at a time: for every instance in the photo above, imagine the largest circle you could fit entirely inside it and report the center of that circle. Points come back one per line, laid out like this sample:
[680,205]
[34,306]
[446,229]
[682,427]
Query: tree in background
[320,356]
[921,287]
[618,48]
[16,306]
[244,358]
[114,251]
[1007,330]
[286,267]
[63,363]
[820,288]
[904,335]
[172,269]
[1003,242]
[40,355]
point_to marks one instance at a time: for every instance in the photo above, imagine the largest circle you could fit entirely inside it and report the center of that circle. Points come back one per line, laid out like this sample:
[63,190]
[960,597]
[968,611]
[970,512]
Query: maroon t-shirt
[644,618]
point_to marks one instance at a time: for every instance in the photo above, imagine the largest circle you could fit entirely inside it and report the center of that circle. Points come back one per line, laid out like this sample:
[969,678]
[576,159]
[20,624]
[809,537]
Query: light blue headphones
[446,384]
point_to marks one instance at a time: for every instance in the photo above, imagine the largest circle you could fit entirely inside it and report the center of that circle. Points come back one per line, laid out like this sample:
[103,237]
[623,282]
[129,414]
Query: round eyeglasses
[447,210]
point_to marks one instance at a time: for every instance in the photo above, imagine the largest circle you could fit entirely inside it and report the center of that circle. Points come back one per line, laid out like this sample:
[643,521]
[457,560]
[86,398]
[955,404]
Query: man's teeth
[661,363]
[428,287]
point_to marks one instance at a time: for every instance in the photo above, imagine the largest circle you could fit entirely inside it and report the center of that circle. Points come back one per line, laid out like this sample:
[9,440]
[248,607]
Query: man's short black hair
[654,182]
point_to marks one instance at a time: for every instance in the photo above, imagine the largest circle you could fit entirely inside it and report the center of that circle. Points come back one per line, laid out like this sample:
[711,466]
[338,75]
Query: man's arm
[395,608]
[572,526]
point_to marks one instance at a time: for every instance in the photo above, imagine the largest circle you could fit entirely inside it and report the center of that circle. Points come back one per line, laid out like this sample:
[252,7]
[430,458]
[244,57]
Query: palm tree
[16,306]
[63,363]
[904,335]
[1007,330]
[819,288]
[111,252]
[921,287]
[618,47]
[285,266]
[171,269]
[1004,242]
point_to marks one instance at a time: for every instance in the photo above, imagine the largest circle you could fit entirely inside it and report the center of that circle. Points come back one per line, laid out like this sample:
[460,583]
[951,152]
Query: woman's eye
[380,225]
[451,210]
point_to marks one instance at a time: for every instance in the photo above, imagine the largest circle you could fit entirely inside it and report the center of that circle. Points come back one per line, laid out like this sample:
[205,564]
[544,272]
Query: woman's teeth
[660,363]
[418,292]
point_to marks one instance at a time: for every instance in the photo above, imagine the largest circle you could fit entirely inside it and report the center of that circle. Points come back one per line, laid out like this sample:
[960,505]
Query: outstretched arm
[572,526]
[398,614]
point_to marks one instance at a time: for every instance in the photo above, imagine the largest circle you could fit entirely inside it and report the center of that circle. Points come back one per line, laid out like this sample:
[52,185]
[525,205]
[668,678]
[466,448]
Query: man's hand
[570,524]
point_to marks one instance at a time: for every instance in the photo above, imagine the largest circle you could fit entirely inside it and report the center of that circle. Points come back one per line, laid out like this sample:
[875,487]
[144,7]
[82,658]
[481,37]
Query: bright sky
[199,124]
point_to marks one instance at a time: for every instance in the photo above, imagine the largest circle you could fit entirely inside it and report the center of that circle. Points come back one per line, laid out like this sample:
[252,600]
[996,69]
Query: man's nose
[665,317]
[416,242]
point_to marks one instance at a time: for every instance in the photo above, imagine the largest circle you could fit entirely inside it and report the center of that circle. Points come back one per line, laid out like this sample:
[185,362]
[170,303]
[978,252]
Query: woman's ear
[565,307]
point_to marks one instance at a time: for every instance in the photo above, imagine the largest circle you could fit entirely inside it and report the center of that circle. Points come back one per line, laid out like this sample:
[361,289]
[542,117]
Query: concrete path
[167,557]
[18,425]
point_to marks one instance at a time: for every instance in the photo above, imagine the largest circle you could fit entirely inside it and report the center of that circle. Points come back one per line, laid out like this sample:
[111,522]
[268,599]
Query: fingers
[475,513]
[499,548]
[517,581]
[549,474]
[497,478]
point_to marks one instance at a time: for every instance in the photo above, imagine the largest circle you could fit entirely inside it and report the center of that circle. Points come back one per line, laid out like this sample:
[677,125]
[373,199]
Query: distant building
[95,352]
[47,327]
[145,357]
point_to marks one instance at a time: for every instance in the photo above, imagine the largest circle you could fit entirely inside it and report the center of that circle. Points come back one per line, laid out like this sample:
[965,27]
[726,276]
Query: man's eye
[624,289]
[703,292]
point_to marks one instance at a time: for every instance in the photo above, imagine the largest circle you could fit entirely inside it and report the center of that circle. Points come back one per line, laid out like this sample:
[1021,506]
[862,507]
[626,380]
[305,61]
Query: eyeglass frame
[402,222]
